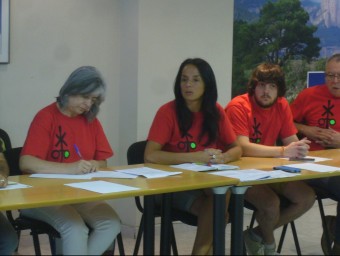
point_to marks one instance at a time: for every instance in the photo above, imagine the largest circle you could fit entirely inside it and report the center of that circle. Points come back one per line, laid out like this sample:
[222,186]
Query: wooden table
[50,192]
[268,164]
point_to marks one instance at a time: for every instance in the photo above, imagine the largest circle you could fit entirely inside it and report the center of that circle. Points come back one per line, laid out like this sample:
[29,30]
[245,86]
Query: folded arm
[155,154]
[292,148]
[326,137]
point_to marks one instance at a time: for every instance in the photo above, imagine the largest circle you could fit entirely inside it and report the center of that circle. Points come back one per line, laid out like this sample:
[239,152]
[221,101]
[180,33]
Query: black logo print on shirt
[327,118]
[257,134]
[61,153]
[188,144]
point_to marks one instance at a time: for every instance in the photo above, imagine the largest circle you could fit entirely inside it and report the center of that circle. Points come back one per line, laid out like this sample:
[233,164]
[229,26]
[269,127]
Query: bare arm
[333,142]
[324,137]
[31,164]
[233,153]
[293,148]
[4,171]
[155,154]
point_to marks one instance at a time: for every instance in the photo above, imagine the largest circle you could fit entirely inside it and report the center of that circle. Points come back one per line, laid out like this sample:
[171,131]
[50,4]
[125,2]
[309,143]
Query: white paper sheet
[203,167]
[319,159]
[244,175]
[102,187]
[254,174]
[14,185]
[316,159]
[112,174]
[281,174]
[88,176]
[148,172]
[62,176]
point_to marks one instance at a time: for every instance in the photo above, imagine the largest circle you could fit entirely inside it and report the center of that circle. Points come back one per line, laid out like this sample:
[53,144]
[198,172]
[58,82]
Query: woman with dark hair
[66,137]
[193,128]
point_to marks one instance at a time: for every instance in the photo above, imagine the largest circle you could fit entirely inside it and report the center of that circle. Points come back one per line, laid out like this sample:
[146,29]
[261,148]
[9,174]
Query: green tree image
[281,35]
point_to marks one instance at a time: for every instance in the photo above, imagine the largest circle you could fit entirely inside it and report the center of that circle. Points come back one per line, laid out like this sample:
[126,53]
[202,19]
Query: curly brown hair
[268,73]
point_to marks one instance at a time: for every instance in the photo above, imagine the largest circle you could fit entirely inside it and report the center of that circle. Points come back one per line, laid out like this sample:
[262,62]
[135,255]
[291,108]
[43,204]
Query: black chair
[135,155]
[320,195]
[5,141]
[22,223]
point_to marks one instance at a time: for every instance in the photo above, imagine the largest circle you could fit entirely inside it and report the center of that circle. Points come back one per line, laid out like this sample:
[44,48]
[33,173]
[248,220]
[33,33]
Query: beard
[265,105]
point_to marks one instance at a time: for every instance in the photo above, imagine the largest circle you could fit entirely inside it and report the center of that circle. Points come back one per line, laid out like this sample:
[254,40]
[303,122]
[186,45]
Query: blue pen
[263,178]
[77,151]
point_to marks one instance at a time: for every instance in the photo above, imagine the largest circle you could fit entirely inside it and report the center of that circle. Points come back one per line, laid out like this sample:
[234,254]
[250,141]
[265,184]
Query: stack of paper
[254,174]
[204,167]
[87,176]
[148,172]
[102,187]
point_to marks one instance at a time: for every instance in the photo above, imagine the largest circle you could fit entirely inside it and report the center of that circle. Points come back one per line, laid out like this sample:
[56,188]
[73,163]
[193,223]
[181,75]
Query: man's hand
[297,149]
[319,135]
[329,138]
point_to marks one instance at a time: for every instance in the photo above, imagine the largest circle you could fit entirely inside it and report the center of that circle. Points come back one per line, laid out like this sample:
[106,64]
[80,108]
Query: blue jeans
[8,237]
[331,185]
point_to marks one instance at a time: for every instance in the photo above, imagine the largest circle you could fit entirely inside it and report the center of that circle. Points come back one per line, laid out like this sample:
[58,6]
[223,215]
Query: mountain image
[325,14]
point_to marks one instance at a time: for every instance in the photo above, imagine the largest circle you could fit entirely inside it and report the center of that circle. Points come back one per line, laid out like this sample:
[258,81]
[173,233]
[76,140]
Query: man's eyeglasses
[332,77]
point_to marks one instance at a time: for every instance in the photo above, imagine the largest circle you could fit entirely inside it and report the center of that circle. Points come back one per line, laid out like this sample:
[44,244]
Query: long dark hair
[208,108]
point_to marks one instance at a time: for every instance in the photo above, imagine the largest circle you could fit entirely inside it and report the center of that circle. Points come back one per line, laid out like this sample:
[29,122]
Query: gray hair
[335,57]
[83,81]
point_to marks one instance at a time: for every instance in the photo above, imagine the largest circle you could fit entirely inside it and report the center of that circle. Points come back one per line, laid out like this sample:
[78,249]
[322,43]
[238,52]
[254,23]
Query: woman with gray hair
[66,137]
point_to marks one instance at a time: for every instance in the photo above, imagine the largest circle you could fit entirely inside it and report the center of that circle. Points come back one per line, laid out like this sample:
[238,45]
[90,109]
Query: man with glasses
[316,113]
[260,118]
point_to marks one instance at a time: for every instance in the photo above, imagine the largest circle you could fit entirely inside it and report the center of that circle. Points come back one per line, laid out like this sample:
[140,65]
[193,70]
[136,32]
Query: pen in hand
[78,151]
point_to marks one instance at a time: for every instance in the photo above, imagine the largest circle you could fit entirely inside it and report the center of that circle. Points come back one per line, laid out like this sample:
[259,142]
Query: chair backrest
[12,156]
[135,153]
[5,141]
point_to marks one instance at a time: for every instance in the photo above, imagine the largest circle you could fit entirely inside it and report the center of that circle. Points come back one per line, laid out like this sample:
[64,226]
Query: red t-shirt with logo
[262,125]
[165,131]
[52,137]
[316,106]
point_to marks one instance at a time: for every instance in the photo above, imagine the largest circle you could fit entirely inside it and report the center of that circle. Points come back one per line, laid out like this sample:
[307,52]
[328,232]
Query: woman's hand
[83,167]
[214,156]
[3,181]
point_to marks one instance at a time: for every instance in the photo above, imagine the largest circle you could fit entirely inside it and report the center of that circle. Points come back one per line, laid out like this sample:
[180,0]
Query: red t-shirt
[52,137]
[262,125]
[165,131]
[316,106]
